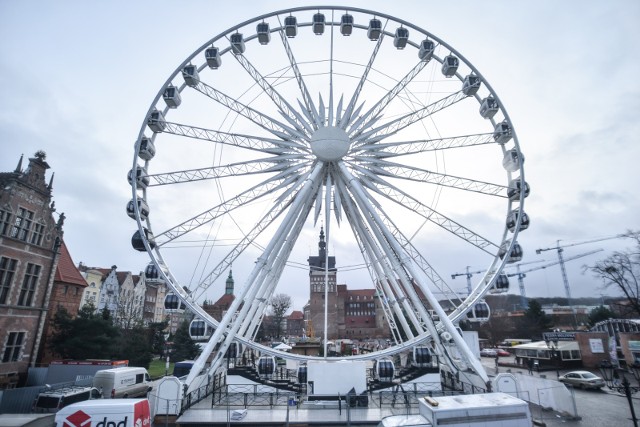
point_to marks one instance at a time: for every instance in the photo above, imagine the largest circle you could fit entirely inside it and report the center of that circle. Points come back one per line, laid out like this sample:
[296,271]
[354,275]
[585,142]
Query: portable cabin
[488,107]
[400,38]
[501,285]
[173,304]
[515,188]
[171,96]
[156,121]
[266,367]
[502,132]
[514,256]
[470,85]
[143,208]
[142,179]
[199,330]
[422,356]
[147,149]
[384,370]
[264,35]
[425,53]
[190,75]
[318,23]
[512,220]
[450,65]
[346,24]
[213,57]
[138,243]
[512,160]
[479,312]
[237,43]
[375,29]
[291,26]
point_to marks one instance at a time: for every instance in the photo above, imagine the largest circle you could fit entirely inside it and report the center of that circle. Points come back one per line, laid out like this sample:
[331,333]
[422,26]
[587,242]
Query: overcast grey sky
[78,78]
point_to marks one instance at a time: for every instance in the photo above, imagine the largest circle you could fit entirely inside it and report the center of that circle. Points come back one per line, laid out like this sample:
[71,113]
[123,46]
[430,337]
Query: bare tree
[621,270]
[280,304]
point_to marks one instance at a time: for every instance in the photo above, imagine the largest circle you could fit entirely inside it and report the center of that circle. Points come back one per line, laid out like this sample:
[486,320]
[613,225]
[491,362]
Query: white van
[54,400]
[106,413]
[122,382]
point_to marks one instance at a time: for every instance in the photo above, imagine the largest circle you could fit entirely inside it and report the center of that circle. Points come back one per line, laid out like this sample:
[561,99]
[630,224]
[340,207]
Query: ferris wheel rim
[482,288]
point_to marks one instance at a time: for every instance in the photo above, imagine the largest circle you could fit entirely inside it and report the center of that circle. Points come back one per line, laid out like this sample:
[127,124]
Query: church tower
[228,290]
[322,272]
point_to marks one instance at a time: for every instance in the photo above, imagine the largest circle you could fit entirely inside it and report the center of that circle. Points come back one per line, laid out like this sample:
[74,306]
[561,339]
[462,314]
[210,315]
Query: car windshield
[589,375]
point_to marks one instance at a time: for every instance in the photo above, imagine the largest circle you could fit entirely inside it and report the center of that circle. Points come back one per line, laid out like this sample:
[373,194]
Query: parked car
[582,379]
[503,353]
[488,352]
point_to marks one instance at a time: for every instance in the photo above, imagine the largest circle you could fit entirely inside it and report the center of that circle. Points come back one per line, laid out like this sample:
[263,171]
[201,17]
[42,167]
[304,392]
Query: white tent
[283,347]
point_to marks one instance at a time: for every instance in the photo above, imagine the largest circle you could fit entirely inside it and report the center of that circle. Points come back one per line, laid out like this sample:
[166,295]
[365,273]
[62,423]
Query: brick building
[353,314]
[30,240]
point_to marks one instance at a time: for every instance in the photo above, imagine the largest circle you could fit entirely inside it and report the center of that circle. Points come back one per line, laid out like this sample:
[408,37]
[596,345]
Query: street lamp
[552,345]
[609,372]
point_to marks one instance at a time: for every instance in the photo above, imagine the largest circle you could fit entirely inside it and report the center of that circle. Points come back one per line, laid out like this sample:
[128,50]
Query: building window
[7,270]
[22,224]
[5,222]
[29,284]
[14,347]
[38,233]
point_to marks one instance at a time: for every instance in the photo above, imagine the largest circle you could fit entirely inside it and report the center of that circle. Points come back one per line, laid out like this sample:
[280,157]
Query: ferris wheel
[349,119]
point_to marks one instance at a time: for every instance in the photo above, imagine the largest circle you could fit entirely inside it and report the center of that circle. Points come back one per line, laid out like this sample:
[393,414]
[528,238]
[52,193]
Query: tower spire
[229,284]
[19,167]
[322,246]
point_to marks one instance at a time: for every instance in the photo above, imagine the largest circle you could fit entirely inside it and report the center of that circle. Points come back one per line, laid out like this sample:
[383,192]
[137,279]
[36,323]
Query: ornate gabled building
[30,241]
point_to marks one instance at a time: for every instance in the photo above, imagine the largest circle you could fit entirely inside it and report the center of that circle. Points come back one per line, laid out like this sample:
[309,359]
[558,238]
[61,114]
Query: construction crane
[468,273]
[563,270]
[522,274]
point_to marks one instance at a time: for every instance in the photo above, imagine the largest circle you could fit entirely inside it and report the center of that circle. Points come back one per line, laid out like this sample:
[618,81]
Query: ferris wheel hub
[330,143]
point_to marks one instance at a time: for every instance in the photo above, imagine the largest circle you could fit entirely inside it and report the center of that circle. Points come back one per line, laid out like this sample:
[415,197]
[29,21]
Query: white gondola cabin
[291,26]
[515,188]
[425,53]
[512,160]
[143,209]
[514,256]
[375,29]
[142,179]
[512,220]
[266,367]
[346,24]
[156,121]
[213,57]
[151,272]
[488,107]
[502,132]
[172,97]
[302,374]
[401,37]
[480,312]
[138,243]
[470,85]
[422,357]
[237,43]
[233,351]
[264,35]
[450,65]
[318,23]
[384,370]
[501,285]
[173,304]
[147,149]
[190,75]
[199,330]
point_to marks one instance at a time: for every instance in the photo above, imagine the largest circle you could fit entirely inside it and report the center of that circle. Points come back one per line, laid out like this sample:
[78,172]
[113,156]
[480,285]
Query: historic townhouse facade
[30,241]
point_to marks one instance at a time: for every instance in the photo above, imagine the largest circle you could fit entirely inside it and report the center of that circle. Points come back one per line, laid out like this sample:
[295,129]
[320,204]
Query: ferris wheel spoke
[373,114]
[262,144]
[394,126]
[396,170]
[310,108]
[268,123]
[401,198]
[286,110]
[261,190]
[349,111]
[251,167]
[400,148]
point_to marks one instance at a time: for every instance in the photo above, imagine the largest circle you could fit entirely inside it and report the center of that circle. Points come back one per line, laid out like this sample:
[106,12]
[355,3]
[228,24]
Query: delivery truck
[105,413]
